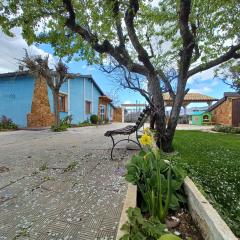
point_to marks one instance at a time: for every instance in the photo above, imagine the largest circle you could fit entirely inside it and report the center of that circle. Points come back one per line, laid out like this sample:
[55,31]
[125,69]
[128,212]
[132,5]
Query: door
[102,112]
[236,112]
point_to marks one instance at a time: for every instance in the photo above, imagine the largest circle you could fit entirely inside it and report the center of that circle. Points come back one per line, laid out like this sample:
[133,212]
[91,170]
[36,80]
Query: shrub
[67,120]
[85,124]
[226,129]
[62,127]
[7,123]
[94,119]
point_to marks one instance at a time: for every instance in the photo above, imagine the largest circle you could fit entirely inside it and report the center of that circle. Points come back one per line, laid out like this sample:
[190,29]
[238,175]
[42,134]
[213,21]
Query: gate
[132,111]
[131,115]
[236,112]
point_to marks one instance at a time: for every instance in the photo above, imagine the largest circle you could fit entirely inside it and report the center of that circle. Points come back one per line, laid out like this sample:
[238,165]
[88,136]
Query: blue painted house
[29,102]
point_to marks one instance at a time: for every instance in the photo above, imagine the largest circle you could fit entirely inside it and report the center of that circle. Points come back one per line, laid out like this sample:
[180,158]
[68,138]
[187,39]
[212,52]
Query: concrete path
[60,185]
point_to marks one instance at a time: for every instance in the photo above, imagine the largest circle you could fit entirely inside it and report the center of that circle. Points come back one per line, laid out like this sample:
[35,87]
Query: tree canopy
[78,28]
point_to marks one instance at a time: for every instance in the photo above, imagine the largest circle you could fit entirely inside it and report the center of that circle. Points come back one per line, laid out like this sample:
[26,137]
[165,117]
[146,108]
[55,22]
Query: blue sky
[12,49]
[204,83]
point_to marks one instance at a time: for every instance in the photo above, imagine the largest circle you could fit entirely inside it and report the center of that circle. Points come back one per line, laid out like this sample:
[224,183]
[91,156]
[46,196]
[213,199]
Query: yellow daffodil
[146,139]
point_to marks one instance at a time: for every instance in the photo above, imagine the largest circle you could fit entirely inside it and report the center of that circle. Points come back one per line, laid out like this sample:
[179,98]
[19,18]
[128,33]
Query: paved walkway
[60,185]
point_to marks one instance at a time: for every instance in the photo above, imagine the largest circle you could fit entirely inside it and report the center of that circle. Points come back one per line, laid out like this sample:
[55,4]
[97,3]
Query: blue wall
[76,99]
[16,98]
[96,95]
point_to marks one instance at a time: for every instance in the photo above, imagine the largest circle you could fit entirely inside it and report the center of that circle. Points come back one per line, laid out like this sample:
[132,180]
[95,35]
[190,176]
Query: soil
[182,223]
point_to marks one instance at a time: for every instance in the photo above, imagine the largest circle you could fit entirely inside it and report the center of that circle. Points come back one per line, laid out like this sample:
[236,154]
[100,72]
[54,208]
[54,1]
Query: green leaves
[159,183]
[217,24]
[139,228]
[169,237]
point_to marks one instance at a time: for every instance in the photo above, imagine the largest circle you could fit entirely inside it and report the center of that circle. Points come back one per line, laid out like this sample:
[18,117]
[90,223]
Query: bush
[62,127]
[226,129]
[94,119]
[67,121]
[7,123]
[85,124]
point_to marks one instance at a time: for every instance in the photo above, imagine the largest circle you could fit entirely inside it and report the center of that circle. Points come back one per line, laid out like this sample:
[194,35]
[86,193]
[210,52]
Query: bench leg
[125,139]
[139,144]
[112,146]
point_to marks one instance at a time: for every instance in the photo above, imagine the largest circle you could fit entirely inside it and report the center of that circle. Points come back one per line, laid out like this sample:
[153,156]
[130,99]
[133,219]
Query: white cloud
[203,90]
[12,50]
[202,76]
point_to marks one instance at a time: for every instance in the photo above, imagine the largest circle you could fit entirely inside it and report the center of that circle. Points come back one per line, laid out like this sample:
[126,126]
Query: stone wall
[117,115]
[222,114]
[40,115]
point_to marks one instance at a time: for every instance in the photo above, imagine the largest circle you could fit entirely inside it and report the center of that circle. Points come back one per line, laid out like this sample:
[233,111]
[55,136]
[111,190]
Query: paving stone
[82,204]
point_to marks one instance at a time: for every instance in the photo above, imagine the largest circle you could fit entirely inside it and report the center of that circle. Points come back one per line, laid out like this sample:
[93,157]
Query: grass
[71,166]
[213,161]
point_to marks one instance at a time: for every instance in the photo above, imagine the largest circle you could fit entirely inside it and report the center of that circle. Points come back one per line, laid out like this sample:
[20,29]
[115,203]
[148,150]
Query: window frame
[64,106]
[90,107]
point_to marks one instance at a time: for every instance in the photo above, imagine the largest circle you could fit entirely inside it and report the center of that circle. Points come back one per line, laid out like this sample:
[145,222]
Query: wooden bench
[128,130]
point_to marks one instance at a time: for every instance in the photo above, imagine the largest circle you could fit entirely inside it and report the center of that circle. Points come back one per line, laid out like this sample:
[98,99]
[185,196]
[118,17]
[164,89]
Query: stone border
[207,218]
[130,201]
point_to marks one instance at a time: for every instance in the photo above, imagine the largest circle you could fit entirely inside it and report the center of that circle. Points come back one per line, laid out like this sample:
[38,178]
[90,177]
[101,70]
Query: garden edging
[206,217]
[130,201]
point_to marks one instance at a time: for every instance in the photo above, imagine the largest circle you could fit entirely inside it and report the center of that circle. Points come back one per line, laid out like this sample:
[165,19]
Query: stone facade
[40,115]
[117,115]
[222,114]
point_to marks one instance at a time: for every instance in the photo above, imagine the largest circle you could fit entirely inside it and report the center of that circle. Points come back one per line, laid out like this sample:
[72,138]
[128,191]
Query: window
[62,103]
[102,112]
[88,107]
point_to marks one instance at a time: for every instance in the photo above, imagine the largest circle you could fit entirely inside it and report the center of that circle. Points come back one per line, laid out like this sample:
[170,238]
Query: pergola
[189,98]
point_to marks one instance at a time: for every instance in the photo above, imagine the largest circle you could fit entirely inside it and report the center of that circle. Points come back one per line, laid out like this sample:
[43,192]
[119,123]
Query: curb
[207,218]
[130,201]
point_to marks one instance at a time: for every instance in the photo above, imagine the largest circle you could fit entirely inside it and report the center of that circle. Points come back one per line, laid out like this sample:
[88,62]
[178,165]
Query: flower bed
[162,211]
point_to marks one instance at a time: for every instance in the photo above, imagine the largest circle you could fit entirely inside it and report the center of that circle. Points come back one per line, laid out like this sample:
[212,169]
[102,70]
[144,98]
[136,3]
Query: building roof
[199,113]
[192,97]
[25,73]
[220,101]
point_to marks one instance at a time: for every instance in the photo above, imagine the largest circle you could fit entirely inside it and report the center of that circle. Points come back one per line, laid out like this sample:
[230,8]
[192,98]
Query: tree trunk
[152,121]
[56,107]
[165,134]
[159,121]
[173,120]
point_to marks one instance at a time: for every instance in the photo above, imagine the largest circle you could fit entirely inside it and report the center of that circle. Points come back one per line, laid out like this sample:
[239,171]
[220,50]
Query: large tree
[147,38]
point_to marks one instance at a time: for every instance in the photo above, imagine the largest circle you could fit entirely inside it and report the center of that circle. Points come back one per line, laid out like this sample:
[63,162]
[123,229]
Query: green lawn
[213,161]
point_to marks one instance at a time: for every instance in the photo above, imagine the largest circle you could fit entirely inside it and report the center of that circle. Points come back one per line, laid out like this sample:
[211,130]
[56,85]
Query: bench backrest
[143,117]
